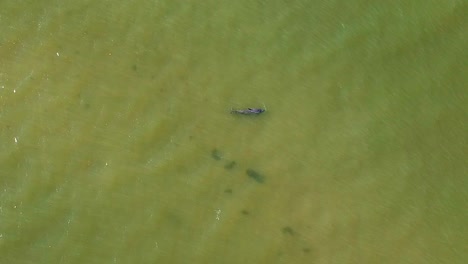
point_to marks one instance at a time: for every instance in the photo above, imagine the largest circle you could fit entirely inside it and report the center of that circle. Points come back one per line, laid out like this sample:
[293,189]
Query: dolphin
[248,111]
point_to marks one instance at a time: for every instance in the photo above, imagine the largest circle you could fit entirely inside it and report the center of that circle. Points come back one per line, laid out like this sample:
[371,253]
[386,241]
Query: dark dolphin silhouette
[248,111]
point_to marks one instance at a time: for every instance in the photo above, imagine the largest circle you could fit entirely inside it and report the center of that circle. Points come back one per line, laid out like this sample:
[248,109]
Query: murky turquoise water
[117,145]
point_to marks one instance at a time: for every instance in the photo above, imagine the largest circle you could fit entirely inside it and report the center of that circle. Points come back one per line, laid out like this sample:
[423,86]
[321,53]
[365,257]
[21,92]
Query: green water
[117,145]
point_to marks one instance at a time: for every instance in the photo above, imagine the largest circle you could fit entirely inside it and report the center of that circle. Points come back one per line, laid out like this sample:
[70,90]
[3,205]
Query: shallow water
[118,145]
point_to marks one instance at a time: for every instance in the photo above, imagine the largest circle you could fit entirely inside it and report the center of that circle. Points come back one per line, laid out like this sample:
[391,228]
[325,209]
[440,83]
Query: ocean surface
[117,142]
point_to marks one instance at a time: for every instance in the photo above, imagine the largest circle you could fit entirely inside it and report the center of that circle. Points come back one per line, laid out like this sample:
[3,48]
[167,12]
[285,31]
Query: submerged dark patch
[230,165]
[255,176]
[215,154]
[288,230]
